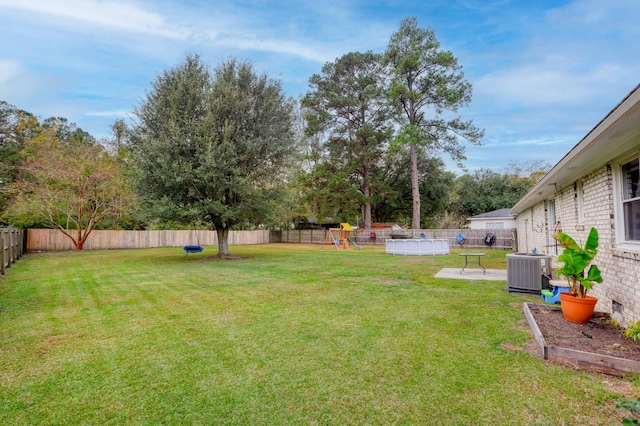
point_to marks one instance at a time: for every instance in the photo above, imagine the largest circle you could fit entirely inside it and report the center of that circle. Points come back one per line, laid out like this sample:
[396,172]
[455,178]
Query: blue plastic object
[554,296]
[192,249]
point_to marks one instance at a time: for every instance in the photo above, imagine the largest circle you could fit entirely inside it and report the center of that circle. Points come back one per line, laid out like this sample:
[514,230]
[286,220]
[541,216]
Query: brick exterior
[620,269]
[534,230]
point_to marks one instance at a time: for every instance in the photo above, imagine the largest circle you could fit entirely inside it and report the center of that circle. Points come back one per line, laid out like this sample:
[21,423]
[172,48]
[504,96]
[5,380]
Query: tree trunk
[367,204]
[415,188]
[84,234]
[78,243]
[223,242]
[82,239]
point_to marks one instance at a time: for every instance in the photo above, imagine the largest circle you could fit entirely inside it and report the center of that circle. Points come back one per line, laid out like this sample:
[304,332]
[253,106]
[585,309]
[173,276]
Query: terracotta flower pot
[577,310]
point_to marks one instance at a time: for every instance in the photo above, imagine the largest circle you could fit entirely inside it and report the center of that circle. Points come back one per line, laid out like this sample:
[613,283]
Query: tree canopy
[426,82]
[210,147]
[67,182]
[486,190]
[217,148]
[348,107]
[392,201]
[16,127]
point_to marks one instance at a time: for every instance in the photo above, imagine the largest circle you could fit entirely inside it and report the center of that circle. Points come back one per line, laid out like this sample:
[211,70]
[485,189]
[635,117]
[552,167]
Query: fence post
[2,253]
[20,242]
[12,245]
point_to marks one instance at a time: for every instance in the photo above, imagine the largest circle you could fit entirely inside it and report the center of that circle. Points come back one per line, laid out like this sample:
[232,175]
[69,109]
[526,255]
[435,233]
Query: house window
[631,199]
[494,225]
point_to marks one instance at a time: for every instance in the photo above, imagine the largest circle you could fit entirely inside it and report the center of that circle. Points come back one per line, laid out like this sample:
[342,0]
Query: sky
[543,72]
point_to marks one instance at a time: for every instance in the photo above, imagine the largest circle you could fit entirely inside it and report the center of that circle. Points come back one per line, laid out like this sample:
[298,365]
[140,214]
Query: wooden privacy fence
[11,247]
[474,238]
[54,240]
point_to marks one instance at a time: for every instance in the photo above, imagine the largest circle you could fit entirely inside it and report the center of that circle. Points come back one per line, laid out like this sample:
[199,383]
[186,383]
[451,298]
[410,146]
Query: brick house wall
[586,203]
[533,229]
[595,185]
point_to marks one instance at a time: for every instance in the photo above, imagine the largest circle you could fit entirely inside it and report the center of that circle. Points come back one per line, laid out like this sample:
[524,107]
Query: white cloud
[572,56]
[18,83]
[113,14]
[223,28]
[265,44]
[597,15]
[8,71]
[544,84]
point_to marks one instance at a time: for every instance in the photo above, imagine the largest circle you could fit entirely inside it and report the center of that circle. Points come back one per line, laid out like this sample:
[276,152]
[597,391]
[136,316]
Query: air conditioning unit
[528,273]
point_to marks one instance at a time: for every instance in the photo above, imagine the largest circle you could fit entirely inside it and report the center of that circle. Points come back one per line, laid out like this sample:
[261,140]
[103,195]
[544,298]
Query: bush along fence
[54,240]
[12,247]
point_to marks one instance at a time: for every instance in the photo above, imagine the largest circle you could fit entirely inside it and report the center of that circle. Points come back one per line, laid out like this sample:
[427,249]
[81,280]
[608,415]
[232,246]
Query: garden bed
[597,345]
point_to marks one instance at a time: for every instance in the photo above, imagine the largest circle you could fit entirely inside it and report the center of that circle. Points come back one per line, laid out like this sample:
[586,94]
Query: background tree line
[223,148]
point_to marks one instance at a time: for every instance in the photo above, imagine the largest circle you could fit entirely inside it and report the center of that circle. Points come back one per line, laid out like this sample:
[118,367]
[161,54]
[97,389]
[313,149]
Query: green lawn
[289,334]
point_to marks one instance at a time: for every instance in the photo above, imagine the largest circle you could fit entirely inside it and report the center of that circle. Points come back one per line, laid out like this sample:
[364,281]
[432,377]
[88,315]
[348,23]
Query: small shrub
[632,331]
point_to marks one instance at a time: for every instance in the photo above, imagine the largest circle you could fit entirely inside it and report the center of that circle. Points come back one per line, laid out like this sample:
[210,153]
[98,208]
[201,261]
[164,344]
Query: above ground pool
[418,247]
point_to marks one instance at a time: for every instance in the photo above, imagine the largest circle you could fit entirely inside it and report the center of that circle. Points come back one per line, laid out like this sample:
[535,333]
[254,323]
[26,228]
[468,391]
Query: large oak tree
[210,147]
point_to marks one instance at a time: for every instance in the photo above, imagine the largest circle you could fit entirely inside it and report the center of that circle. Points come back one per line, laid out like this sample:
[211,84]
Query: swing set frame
[339,237]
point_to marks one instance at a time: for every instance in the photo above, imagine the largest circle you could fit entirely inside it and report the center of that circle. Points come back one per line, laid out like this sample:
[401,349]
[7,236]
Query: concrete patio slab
[473,274]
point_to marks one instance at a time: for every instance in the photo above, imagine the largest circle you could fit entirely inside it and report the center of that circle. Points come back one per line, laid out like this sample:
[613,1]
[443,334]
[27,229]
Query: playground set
[340,237]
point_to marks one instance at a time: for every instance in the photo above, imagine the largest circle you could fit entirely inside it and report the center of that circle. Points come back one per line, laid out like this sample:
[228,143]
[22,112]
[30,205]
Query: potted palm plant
[581,274]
